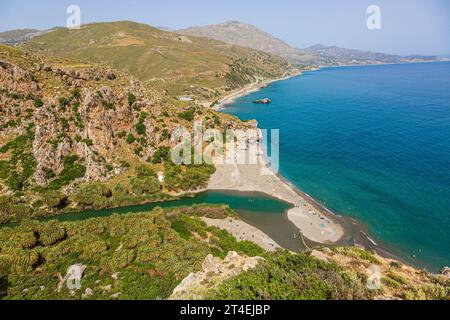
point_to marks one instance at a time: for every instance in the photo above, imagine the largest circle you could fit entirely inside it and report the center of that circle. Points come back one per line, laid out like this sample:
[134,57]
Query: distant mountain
[242,34]
[183,65]
[246,35]
[332,55]
[19,36]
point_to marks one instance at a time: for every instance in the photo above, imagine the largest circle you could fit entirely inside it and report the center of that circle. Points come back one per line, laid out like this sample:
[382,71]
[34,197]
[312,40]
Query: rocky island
[263,101]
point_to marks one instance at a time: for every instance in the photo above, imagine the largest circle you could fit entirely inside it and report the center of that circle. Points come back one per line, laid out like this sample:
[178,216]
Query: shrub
[286,276]
[145,185]
[72,170]
[63,103]
[38,102]
[131,99]
[187,115]
[130,138]
[162,154]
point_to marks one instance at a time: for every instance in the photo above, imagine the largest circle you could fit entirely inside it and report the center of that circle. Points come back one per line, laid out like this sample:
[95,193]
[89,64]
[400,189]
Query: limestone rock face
[15,78]
[214,272]
[48,155]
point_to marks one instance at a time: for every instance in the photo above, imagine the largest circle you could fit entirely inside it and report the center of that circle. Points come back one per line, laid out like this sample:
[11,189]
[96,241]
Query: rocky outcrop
[214,272]
[263,101]
[446,272]
[16,78]
[73,277]
[47,149]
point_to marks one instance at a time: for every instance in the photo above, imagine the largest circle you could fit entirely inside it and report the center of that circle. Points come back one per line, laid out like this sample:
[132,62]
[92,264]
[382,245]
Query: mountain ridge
[247,35]
[244,34]
[183,65]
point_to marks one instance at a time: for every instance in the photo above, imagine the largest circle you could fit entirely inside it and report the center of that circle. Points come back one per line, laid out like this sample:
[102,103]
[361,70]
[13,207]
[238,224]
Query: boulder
[73,277]
[446,272]
[319,255]
[263,101]
[214,272]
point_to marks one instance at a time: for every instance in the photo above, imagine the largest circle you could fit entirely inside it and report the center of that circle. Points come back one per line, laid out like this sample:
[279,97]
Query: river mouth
[255,208]
[258,209]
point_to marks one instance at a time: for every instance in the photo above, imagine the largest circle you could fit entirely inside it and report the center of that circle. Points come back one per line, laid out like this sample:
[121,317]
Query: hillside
[183,65]
[78,135]
[174,254]
[246,35]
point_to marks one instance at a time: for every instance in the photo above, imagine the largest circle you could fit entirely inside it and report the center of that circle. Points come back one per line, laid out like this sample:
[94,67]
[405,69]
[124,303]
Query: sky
[407,26]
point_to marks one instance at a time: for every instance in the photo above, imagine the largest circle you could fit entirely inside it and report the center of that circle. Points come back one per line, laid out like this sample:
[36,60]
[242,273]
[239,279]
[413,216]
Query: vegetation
[131,99]
[285,276]
[140,256]
[72,170]
[145,181]
[303,277]
[187,115]
[200,64]
[19,169]
[191,177]
[161,155]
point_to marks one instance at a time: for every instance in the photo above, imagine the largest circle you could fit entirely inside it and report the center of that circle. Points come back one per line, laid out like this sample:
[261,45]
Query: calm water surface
[373,143]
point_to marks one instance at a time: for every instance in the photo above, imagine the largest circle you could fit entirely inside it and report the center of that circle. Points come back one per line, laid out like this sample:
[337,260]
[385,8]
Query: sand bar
[315,225]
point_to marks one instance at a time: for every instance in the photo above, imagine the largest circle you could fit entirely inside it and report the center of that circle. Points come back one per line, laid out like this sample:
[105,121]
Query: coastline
[316,225]
[253,87]
[339,230]
[315,222]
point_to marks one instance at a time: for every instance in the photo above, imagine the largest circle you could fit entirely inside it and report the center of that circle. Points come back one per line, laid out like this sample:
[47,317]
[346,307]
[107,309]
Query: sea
[370,142]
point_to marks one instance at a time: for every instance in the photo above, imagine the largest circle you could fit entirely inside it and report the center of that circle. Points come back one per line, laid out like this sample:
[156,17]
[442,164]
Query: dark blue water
[370,142]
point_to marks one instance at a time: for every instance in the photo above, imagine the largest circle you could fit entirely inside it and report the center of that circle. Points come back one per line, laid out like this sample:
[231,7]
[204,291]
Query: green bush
[162,154]
[187,115]
[145,185]
[131,99]
[38,102]
[286,276]
[72,170]
[130,138]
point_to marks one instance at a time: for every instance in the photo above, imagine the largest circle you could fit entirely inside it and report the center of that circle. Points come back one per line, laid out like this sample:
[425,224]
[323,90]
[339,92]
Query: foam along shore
[314,224]
[253,87]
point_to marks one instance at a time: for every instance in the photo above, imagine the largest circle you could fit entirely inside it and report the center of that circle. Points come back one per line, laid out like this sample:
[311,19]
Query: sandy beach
[243,231]
[315,225]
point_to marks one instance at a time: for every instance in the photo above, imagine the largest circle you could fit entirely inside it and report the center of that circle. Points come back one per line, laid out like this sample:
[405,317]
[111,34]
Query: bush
[130,138]
[63,103]
[145,181]
[187,115]
[72,170]
[38,102]
[286,276]
[131,99]
[162,154]
[94,195]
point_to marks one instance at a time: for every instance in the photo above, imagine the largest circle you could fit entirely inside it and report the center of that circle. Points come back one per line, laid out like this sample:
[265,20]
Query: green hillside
[180,64]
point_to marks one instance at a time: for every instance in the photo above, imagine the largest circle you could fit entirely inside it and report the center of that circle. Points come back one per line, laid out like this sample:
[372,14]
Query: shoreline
[253,87]
[351,231]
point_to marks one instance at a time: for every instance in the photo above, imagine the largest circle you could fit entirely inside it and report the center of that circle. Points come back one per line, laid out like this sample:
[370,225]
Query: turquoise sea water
[371,142]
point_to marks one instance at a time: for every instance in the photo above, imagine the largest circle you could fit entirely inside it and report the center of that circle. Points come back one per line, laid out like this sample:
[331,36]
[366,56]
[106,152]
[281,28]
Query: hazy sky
[408,26]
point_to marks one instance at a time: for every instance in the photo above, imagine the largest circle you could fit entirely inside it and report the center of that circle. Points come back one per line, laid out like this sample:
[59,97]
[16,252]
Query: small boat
[263,101]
